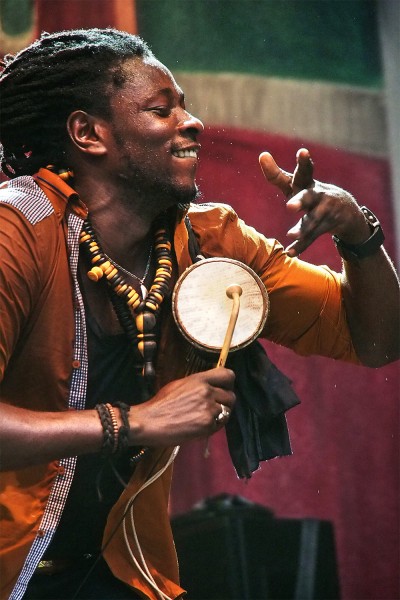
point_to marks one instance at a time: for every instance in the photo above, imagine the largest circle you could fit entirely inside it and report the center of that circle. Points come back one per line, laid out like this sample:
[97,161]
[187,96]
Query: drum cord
[144,570]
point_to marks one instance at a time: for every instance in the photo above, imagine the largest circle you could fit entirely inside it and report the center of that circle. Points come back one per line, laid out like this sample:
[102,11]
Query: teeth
[185,153]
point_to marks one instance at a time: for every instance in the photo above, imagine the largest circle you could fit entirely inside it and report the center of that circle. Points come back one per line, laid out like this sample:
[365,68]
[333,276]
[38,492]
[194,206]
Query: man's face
[155,144]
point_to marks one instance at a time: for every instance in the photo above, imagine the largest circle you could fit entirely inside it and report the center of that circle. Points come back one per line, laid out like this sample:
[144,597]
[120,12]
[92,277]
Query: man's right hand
[183,409]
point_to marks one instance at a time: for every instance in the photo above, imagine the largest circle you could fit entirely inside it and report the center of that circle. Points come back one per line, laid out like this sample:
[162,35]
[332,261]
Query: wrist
[355,252]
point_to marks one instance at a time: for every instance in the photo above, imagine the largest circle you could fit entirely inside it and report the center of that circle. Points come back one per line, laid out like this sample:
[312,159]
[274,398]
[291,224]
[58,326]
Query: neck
[121,220]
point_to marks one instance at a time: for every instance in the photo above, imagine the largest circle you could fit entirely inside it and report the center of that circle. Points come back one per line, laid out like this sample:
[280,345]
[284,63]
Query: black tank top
[113,375]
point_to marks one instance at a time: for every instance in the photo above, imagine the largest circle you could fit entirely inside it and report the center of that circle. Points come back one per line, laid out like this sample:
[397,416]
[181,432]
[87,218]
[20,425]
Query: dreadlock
[42,84]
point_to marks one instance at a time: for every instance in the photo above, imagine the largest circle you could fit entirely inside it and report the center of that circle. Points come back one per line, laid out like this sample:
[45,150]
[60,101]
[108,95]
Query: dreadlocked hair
[42,84]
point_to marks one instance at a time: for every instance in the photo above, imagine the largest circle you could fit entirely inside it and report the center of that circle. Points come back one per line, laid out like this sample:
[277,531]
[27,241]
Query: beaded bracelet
[123,432]
[115,426]
[116,439]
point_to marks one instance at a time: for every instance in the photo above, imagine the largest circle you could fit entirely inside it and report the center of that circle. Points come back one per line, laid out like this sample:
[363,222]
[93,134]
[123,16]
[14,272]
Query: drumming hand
[183,409]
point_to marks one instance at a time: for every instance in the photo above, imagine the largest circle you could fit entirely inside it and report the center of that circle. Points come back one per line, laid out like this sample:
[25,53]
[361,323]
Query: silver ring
[304,220]
[224,414]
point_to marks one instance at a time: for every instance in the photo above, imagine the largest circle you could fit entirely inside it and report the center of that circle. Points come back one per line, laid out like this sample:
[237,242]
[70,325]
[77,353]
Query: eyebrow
[167,91]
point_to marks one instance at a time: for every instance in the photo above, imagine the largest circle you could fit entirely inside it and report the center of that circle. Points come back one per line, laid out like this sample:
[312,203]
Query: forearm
[30,437]
[183,409]
[371,295]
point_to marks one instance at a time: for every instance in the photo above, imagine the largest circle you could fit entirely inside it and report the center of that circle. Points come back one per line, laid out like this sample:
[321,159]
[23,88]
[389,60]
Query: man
[102,156]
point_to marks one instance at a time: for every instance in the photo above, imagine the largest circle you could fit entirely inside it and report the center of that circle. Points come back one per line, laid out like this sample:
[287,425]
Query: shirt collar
[60,194]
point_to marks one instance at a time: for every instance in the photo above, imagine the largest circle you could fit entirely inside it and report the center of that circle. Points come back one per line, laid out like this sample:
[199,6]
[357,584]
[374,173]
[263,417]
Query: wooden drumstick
[233,291]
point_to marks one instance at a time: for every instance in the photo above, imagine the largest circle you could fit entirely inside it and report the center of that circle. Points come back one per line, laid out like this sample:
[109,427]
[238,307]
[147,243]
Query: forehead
[148,76]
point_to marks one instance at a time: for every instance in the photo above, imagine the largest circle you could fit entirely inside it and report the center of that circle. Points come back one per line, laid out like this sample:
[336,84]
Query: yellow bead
[139,322]
[95,274]
[163,271]
[134,302]
[111,274]
[151,305]
[120,289]
[106,265]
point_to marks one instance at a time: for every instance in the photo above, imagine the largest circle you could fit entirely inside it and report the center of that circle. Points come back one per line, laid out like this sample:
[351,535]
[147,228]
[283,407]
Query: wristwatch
[351,252]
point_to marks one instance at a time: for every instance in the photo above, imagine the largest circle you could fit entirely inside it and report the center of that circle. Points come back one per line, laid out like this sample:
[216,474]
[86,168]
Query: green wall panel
[16,16]
[327,40]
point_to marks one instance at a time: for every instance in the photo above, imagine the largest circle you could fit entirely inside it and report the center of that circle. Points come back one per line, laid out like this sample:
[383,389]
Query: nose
[190,123]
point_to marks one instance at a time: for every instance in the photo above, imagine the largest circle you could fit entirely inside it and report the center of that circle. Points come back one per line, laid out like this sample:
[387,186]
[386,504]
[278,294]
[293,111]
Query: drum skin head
[202,309]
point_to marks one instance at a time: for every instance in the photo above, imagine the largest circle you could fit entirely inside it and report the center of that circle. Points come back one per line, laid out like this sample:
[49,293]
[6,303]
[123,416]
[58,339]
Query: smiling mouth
[185,153]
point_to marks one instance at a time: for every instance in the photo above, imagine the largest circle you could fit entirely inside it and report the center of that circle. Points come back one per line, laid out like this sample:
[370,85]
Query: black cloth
[257,428]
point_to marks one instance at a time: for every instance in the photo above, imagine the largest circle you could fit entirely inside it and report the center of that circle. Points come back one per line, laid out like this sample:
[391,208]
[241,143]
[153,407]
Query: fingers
[328,210]
[303,173]
[327,207]
[222,381]
[220,377]
[223,416]
[305,232]
[275,174]
[295,188]
[289,184]
[185,409]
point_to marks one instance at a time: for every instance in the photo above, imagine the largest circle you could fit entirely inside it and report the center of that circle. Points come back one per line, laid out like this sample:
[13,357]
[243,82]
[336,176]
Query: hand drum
[202,304]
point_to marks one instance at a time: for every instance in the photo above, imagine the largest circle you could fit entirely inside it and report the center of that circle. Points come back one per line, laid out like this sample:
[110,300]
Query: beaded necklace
[137,316]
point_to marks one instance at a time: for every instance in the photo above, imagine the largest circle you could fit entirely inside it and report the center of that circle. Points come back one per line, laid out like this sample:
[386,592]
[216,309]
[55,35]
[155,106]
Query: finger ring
[224,414]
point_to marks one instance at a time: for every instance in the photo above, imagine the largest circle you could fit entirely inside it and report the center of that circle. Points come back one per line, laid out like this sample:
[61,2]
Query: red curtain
[71,14]
[345,433]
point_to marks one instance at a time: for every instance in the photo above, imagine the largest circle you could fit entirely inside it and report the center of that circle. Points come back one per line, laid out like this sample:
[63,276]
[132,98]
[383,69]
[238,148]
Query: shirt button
[40,533]
[76,364]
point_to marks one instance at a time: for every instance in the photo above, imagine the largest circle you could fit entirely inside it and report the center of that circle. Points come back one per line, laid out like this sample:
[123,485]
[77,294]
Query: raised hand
[327,208]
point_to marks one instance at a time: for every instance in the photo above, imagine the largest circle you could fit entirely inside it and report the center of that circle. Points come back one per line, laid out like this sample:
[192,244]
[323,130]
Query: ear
[88,133]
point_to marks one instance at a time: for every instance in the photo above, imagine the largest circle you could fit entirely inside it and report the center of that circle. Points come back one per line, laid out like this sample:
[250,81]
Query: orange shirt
[42,361]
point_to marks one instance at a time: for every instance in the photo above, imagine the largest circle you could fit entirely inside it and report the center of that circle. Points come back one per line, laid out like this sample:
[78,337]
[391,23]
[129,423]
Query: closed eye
[162,111]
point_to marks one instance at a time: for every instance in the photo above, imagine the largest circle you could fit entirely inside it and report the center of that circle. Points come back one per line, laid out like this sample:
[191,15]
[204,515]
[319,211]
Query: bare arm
[182,410]
[370,285]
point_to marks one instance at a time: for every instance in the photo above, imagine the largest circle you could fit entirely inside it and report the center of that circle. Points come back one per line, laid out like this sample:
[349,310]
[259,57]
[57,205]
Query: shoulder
[25,196]
[211,211]
[221,232]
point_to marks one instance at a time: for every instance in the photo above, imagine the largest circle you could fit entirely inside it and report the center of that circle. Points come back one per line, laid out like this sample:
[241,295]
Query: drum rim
[261,286]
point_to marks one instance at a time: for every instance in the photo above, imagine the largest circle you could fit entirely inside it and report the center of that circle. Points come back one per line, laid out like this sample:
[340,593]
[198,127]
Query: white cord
[144,570]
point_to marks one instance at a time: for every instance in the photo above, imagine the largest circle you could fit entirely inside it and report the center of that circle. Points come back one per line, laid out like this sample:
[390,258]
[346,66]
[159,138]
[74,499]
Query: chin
[182,194]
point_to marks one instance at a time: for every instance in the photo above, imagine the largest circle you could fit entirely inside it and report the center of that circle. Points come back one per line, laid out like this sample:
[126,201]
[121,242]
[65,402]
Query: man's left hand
[327,208]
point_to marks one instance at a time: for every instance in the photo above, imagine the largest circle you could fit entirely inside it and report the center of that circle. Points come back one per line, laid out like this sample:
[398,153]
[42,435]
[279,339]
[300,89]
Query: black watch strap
[351,252]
